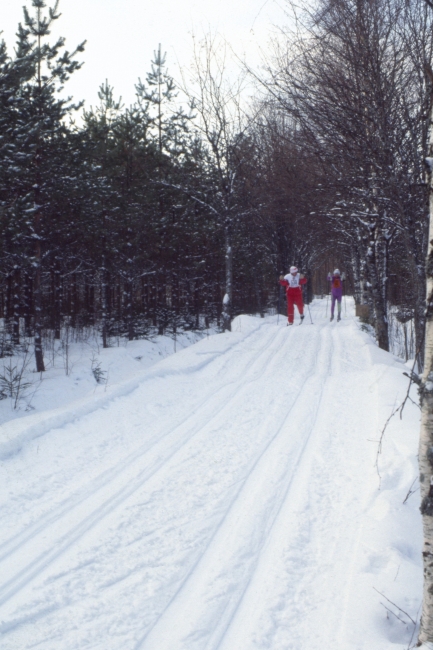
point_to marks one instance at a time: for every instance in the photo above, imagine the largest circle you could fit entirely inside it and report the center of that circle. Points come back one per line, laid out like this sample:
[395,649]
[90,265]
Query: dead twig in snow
[413,378]
[394,605]
[394,614]
[413,631]
[410,492]
[382,434]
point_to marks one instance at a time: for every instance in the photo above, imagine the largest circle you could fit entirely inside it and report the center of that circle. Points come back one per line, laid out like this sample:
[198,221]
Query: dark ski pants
[294,297]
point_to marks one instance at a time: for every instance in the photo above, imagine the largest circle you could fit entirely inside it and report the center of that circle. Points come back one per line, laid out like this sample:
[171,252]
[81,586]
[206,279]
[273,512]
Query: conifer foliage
[181,210]
[108,224]
[34,173]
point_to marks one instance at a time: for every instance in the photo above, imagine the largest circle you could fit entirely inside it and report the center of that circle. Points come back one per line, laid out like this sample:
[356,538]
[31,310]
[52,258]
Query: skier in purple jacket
[336,280]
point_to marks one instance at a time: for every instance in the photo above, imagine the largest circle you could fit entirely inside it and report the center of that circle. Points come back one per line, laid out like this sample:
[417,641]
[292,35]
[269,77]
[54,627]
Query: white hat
[336,272]
[293,269]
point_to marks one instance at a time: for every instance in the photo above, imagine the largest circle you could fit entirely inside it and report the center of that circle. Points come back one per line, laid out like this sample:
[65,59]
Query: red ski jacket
[293,290]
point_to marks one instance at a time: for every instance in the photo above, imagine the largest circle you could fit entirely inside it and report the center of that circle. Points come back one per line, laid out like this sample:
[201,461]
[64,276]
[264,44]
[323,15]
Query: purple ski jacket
[336,286]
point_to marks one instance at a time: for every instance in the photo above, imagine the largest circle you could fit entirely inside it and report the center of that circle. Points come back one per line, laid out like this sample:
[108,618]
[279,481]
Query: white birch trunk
[426,436]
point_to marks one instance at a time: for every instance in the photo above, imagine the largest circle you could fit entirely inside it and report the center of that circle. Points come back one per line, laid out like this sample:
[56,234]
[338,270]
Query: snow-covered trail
[219,505]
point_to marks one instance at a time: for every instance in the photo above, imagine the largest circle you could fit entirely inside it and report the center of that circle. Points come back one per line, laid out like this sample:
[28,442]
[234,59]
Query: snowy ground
[224,498]
[70,367]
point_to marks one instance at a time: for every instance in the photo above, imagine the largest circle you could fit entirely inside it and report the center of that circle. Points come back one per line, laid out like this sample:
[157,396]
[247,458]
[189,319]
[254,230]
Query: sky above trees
[123,34]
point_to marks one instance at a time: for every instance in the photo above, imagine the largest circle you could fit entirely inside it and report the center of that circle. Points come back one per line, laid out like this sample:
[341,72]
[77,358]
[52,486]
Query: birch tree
[425,638]
[426,435]
[349,80]
[223,125]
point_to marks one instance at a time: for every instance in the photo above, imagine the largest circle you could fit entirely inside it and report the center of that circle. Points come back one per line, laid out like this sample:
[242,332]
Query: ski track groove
[28,573]
[295,472]
[242,584]
[337,357]
[108,475]
[344,567]
[243,486]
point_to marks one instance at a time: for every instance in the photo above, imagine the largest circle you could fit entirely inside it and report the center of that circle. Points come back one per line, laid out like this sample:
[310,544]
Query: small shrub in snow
[12,381]
[97,371]
[6,348]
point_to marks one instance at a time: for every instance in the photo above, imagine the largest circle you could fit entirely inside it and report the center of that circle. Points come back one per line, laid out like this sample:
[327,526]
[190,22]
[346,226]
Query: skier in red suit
[293,282]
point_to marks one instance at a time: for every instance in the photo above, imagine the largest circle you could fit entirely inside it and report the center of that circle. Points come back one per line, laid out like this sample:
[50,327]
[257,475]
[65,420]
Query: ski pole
[305,302]
[344,293]
[327,298]
[278,307]
[279,299]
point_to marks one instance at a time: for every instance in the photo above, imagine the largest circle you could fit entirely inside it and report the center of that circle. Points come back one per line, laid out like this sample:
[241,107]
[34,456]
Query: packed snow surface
[226,498]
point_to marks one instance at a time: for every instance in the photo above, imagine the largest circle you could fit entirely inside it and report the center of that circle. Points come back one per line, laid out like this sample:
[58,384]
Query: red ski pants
[294,297]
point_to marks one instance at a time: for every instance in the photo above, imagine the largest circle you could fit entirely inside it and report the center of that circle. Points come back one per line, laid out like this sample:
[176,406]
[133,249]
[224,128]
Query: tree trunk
[426,433]
[8,304]
[309,293]
[426,463]
[153,302]
[357,280]
[228,297]
[74,301]
[419,314]
[16,307]
[104,305]
[37,283]
[28,304]
[197,303]
[87,319]
[380,311]
[91,313]
[37,300]
[128,294]
[57,302]
[258,296]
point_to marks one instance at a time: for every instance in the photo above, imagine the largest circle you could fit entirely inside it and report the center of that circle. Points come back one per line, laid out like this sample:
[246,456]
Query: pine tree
[39,130]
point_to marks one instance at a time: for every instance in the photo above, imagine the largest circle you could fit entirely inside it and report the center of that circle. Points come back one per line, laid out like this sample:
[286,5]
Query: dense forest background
[180,211]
